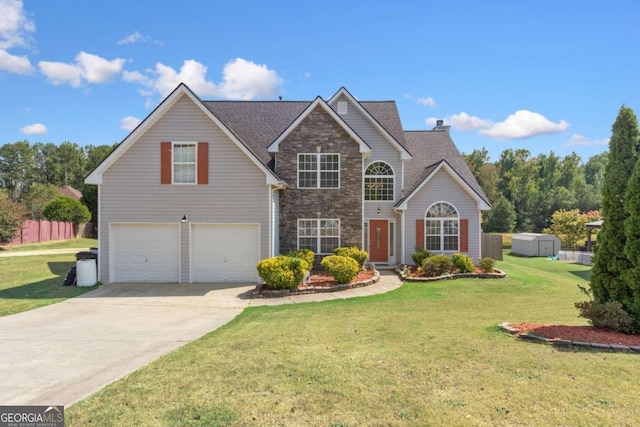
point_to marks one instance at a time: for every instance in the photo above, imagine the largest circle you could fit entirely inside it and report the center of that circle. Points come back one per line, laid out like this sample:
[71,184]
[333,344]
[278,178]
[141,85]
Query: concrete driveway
[62,353]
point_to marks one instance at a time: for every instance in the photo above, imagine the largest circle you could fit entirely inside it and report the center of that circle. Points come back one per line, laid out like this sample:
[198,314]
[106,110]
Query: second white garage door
[224,252]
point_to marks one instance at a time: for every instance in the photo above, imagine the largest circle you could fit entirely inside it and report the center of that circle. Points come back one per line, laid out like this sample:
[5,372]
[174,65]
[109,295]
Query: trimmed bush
[486,264]
[282,272]
[305,255]
[353,252]
[420,255]
[463,262]
[436,265]
[342,268]
[610,314]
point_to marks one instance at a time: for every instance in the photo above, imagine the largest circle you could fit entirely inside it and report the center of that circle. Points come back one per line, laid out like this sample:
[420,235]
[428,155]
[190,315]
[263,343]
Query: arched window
[378,182]
[442,225]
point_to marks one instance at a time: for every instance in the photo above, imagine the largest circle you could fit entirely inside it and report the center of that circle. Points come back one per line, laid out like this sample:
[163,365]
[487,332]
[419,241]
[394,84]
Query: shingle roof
[257,123]
[429,148]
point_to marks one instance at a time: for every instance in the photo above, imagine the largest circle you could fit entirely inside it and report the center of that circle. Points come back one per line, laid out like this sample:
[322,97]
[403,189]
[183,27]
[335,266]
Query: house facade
[201,191]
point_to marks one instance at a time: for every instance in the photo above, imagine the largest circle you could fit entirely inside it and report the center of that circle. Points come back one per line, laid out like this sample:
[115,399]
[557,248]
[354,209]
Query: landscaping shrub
[609,314]
[282,272]
[487,264]
[342,268]
[436,265]
[463,262]
[420,255]
[353,252]
[305,255]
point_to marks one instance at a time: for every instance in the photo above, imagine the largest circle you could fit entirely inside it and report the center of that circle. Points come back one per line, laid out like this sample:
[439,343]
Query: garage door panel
[145,253]
[224,252]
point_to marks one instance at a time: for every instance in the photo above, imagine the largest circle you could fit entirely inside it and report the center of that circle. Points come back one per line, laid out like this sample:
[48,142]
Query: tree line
[526,190]
[31,176]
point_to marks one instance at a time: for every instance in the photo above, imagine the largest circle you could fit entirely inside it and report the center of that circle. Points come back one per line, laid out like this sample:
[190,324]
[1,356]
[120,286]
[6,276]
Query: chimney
[440,126]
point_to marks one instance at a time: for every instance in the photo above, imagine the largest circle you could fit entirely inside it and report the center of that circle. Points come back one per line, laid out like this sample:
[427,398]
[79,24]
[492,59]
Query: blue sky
[543,75]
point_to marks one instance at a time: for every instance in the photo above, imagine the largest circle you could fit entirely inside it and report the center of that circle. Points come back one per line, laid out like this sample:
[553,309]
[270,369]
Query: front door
[379,240]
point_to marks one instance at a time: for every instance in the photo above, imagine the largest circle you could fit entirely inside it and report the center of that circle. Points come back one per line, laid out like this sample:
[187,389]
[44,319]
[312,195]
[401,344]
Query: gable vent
[342,107]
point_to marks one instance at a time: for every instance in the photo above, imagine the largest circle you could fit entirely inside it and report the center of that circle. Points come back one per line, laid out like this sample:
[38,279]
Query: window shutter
[203,163]
[420,233]
[165,163]
[464,235]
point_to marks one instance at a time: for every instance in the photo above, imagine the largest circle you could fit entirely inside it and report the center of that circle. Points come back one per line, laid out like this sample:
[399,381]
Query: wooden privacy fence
[491,246]
[43,231]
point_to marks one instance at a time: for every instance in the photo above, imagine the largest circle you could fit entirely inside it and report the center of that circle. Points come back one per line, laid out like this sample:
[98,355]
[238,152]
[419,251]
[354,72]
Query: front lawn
[425,354]
[29,282]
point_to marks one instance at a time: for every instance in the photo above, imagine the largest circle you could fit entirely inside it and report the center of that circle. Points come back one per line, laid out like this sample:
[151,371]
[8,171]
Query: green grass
[424,354]
[54,244]
[29,282]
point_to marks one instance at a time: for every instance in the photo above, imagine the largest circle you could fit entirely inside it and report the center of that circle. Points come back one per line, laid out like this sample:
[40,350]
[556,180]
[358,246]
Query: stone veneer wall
[319,129]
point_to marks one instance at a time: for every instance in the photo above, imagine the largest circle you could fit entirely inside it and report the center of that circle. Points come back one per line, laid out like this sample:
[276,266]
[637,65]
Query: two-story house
[201,191]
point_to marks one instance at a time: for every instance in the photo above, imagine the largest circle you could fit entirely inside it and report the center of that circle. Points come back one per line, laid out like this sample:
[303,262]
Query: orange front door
[379,240]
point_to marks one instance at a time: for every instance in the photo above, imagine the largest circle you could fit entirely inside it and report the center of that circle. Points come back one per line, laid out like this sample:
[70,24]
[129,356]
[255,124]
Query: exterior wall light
[184,219]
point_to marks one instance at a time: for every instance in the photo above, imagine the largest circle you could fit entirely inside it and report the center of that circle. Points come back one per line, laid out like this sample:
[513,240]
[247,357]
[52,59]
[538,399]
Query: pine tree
[610,261]
[631,277]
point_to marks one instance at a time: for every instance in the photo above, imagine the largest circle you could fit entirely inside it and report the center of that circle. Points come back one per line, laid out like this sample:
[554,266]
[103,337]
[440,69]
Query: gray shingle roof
[258,123]
[429,148]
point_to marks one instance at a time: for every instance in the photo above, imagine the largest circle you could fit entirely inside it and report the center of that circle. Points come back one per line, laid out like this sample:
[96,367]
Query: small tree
[12,216]
[501,218]
[570,225]
[67,209]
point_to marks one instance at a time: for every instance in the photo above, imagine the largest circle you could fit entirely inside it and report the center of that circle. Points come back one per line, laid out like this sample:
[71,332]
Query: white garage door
[144,253]
[224,252]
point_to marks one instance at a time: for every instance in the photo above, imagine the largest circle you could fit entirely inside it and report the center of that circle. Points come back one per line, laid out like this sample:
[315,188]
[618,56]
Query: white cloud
[87,67]
[582,141]
[15,27]
[129,123]
[427,102]
[524,124]
[133,38]
[463,122]
[34,129]
[14,64]
[241,79]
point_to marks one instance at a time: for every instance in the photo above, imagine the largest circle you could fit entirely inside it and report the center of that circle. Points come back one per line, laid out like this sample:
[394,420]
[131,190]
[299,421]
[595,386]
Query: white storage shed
[535,244]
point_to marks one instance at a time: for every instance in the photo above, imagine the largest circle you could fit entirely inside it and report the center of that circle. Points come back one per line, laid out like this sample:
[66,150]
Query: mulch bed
[322,279]
[588,334]
[414,276]
[319,282]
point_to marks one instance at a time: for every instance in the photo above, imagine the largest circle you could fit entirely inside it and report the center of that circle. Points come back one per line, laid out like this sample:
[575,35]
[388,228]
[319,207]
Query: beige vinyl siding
[442,188]
[382,150]
[131,189]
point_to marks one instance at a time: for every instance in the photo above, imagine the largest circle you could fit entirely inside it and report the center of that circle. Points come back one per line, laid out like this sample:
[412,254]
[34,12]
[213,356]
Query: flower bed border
[556,342]
[258,292]
[497,274]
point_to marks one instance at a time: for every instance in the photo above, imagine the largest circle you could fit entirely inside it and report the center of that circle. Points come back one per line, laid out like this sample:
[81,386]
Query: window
[378,182]
[184,163]
[441,228]
[321,236]
[318,170]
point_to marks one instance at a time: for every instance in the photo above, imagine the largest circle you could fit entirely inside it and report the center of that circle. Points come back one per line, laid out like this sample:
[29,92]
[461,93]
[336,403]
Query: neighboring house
[201,191]
[69,191]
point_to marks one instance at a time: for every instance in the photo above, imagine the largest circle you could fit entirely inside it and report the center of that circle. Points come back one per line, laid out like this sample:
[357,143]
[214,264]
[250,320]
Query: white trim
[96,176]
[404,154]
[318,171]
[482,205]
[274,147]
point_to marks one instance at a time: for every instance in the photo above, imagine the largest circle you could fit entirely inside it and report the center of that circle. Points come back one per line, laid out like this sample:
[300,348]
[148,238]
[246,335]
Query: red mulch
[413,271]
[589,334]
[320,279]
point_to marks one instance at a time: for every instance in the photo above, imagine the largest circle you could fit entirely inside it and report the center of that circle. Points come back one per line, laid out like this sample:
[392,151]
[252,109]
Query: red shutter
[420,233]
[165,163]
[203,163]
[464,235]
